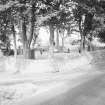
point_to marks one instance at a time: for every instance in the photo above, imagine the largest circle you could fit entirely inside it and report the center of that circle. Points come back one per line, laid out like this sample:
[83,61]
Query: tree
[51,11]
[4,29]
[23,11]
[62,18]
[27,12]
[87,9]
[39,9]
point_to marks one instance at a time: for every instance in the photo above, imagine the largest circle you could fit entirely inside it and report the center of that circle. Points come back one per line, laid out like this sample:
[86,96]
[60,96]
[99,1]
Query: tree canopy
[28,15]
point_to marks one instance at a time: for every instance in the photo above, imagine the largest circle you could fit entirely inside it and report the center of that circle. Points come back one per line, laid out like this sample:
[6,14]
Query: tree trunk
[62,43]
[32,23]
[57,39]
[51,50]
[63,40]
[82,43]
[14,37]
[26,48]
[89,43]
[89,47]
[30,51]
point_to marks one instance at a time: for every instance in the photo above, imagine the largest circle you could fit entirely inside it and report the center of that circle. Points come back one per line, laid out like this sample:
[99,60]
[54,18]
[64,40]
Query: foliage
[101,35]
[28,15]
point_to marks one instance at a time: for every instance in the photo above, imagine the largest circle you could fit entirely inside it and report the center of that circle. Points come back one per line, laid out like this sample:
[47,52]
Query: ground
[81,84]
[91,92]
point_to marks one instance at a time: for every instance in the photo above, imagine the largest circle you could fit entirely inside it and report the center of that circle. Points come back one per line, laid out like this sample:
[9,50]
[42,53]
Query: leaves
[8,5]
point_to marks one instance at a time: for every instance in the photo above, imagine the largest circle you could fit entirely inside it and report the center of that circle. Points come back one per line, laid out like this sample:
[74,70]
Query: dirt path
[61,94]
